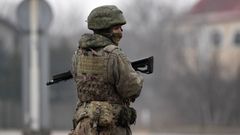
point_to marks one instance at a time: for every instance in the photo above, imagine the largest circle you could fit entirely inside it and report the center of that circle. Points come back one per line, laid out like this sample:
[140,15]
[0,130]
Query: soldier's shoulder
[114,50]
[111,48]
[119,54]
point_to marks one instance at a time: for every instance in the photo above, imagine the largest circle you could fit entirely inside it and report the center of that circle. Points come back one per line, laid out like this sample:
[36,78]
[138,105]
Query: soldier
[106,82]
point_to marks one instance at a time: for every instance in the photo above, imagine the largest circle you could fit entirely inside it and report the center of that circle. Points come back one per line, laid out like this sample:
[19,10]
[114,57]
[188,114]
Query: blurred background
[196,48]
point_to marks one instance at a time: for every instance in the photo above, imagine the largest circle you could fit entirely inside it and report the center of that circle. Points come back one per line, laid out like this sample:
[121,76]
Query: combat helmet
[104,17]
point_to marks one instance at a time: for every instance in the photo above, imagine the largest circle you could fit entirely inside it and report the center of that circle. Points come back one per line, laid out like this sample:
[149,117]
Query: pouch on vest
[127,116]
[80,114]
[101,113]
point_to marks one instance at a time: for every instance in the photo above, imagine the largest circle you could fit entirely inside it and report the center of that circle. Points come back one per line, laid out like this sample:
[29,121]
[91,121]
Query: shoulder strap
[110,48]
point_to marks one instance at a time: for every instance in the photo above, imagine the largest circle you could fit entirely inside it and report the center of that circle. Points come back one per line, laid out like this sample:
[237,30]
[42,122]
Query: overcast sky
[78,10]
[88,5]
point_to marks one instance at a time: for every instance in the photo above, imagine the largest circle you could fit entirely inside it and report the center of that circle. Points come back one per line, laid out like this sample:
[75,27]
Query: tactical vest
[91,75]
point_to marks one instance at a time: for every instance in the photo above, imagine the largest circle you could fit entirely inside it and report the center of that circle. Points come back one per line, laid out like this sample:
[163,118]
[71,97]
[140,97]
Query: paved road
[14,132]
[65,133]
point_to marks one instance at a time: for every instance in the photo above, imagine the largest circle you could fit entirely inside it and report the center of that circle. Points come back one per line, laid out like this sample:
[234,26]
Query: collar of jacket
[94,41]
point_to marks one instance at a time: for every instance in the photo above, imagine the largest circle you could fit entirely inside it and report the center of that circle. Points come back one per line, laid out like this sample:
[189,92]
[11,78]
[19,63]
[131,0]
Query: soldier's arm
[126,80]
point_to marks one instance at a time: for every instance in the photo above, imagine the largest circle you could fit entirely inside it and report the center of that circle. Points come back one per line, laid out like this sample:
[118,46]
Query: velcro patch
[91,65]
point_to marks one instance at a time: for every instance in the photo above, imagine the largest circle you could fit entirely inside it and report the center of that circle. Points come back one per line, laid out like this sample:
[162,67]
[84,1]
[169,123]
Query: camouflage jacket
[102,72]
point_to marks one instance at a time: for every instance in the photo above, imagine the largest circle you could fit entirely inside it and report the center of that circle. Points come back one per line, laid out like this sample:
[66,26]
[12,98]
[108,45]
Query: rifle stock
[143,66]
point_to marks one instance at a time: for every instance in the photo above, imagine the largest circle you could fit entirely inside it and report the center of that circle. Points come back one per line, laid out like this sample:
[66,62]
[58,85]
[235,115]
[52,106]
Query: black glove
[126,116]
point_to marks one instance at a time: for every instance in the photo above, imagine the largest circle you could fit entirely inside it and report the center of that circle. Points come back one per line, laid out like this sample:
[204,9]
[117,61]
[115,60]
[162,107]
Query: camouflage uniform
[106,84]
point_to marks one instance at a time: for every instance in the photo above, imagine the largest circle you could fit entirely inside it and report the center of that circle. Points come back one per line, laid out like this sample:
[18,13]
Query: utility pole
[34,67]
[34,17]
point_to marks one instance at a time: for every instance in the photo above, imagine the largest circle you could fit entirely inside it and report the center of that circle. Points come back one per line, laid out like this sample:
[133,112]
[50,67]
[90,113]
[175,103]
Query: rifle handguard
[60,77]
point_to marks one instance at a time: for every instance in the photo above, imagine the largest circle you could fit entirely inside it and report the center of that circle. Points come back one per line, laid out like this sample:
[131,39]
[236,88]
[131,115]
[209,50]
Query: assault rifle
[143,66]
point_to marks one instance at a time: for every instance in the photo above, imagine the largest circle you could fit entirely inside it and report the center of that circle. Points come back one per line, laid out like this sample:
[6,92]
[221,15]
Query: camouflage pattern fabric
[103,75]
[114,80]
[104,17]
[84,128]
